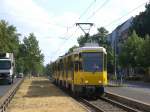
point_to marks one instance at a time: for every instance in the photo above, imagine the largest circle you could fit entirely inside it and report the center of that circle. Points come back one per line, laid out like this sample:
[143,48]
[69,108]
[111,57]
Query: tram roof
[85,49]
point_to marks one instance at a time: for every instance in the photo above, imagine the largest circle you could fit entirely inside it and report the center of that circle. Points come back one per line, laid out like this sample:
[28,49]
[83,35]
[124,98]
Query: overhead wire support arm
[85,27]
[85,30]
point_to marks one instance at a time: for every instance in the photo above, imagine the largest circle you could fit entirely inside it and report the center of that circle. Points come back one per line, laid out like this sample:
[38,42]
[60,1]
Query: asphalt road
[5,88]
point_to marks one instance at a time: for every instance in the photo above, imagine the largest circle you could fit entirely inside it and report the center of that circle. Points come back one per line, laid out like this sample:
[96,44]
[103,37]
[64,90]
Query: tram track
[129,102]
[89,106]
[105,105]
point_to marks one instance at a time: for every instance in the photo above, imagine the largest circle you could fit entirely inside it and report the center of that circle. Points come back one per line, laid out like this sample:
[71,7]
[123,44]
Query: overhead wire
[101,6]
[82,14]
[92,3]
[105,2]
[116,20]
[64,42]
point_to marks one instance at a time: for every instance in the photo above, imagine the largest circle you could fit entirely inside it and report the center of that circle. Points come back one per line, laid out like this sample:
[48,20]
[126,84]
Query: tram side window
[71,65]
[80,66]
[76,66]
[80,63]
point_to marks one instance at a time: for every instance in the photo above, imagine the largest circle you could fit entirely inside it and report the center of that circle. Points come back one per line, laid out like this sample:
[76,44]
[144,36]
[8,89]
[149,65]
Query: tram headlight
[86,81]
[99,81]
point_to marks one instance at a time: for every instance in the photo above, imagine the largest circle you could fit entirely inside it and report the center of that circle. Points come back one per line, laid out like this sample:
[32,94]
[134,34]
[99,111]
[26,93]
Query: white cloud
[29,17]
[115,9]
[50,29]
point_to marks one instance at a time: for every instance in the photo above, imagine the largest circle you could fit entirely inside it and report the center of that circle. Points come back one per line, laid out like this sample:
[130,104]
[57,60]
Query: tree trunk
[148,73]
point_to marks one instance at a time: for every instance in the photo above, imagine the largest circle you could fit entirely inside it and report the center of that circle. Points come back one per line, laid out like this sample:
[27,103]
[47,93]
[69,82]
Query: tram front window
[92,62]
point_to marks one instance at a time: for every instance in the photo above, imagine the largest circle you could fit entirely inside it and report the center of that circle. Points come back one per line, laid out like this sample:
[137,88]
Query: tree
[33,57]
[48,69]
[146,56]
[102,36]
[72,48]
[146,53]
[141,23]
[20,59]
[82,40]
[9,38]
[101,39]
[9,41]
[130,55]
[110,58]
[28,57]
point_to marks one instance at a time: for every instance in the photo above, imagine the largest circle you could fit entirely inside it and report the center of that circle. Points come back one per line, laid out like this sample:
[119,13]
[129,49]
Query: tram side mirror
[13,64]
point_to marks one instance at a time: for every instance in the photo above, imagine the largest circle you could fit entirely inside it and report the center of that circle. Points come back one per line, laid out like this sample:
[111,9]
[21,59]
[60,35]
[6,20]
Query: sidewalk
[137,90]
[39,95]
[138,84]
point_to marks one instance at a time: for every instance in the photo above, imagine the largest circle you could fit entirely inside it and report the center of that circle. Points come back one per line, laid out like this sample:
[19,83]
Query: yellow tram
[82,71]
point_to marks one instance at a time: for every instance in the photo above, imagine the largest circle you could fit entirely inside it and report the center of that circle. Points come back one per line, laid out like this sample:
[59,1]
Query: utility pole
[115,64]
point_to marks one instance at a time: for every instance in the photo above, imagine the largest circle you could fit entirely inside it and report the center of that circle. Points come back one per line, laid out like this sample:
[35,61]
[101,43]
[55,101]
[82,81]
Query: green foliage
[130,55]
[73,47]
[102,36]
[110,58]
[141,23]
[28,57]
[82,40]
[146,52]
[101,39]
[33,58]
[9,38]
[48,69]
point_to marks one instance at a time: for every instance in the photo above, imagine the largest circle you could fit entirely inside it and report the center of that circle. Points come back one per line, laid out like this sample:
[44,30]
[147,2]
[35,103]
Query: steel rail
[142,106]
[120,105]
[92,107]
[95,108]
[5,100]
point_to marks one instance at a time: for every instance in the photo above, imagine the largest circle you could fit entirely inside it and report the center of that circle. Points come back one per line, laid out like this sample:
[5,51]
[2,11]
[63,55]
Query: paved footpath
[39,95]
[136,90]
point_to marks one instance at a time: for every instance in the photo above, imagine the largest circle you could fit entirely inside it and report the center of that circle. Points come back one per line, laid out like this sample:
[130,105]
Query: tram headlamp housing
[99,81]
[86,81]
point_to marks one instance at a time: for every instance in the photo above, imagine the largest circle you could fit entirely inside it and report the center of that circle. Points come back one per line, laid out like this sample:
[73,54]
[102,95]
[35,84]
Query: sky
[53,21]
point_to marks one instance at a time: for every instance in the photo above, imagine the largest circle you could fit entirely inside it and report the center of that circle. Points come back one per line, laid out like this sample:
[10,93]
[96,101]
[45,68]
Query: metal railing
[5,100]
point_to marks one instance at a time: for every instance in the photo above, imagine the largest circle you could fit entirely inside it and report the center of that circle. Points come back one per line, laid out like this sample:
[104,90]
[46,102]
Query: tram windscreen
[92,62]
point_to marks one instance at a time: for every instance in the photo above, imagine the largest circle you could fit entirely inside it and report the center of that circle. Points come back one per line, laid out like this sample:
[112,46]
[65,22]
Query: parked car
[20,75]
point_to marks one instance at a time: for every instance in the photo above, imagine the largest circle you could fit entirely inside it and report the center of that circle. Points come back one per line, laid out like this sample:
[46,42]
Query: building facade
[119,34]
